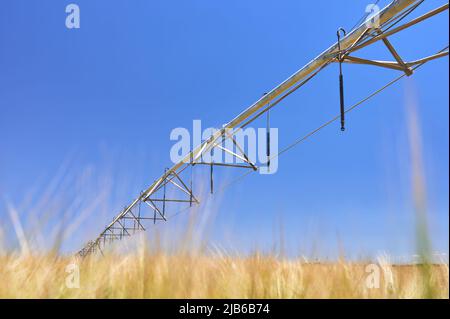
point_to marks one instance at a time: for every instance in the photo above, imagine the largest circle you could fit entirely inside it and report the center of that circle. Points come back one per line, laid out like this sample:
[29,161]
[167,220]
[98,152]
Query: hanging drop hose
[192,177]
[211,176]
[341,78]
[212,168]
[268,135]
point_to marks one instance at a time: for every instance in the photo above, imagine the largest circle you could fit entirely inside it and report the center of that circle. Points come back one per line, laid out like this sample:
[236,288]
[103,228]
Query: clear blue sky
[96,105]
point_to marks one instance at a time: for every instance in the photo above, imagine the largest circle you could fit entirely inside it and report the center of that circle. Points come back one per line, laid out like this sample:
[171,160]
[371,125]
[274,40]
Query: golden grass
[187,273]
[159,275]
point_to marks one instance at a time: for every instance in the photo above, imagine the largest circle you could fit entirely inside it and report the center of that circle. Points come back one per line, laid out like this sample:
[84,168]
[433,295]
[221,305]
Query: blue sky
[98,104]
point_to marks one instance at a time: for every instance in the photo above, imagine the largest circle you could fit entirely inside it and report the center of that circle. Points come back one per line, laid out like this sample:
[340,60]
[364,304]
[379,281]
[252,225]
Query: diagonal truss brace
[242,156]
[172,178]
[394,65]
[399,64]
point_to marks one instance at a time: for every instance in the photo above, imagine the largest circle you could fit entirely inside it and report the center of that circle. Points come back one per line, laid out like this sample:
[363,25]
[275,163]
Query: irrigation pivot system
[376,28]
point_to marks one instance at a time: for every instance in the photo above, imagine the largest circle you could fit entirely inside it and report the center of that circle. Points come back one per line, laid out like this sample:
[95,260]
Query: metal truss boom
[130,220]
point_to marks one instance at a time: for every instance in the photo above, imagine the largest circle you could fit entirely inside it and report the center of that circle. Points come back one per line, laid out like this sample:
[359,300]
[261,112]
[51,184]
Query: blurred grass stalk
[419,194]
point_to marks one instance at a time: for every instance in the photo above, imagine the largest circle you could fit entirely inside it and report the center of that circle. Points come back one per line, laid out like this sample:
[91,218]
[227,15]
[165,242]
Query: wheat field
[150,271]
[158,275]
